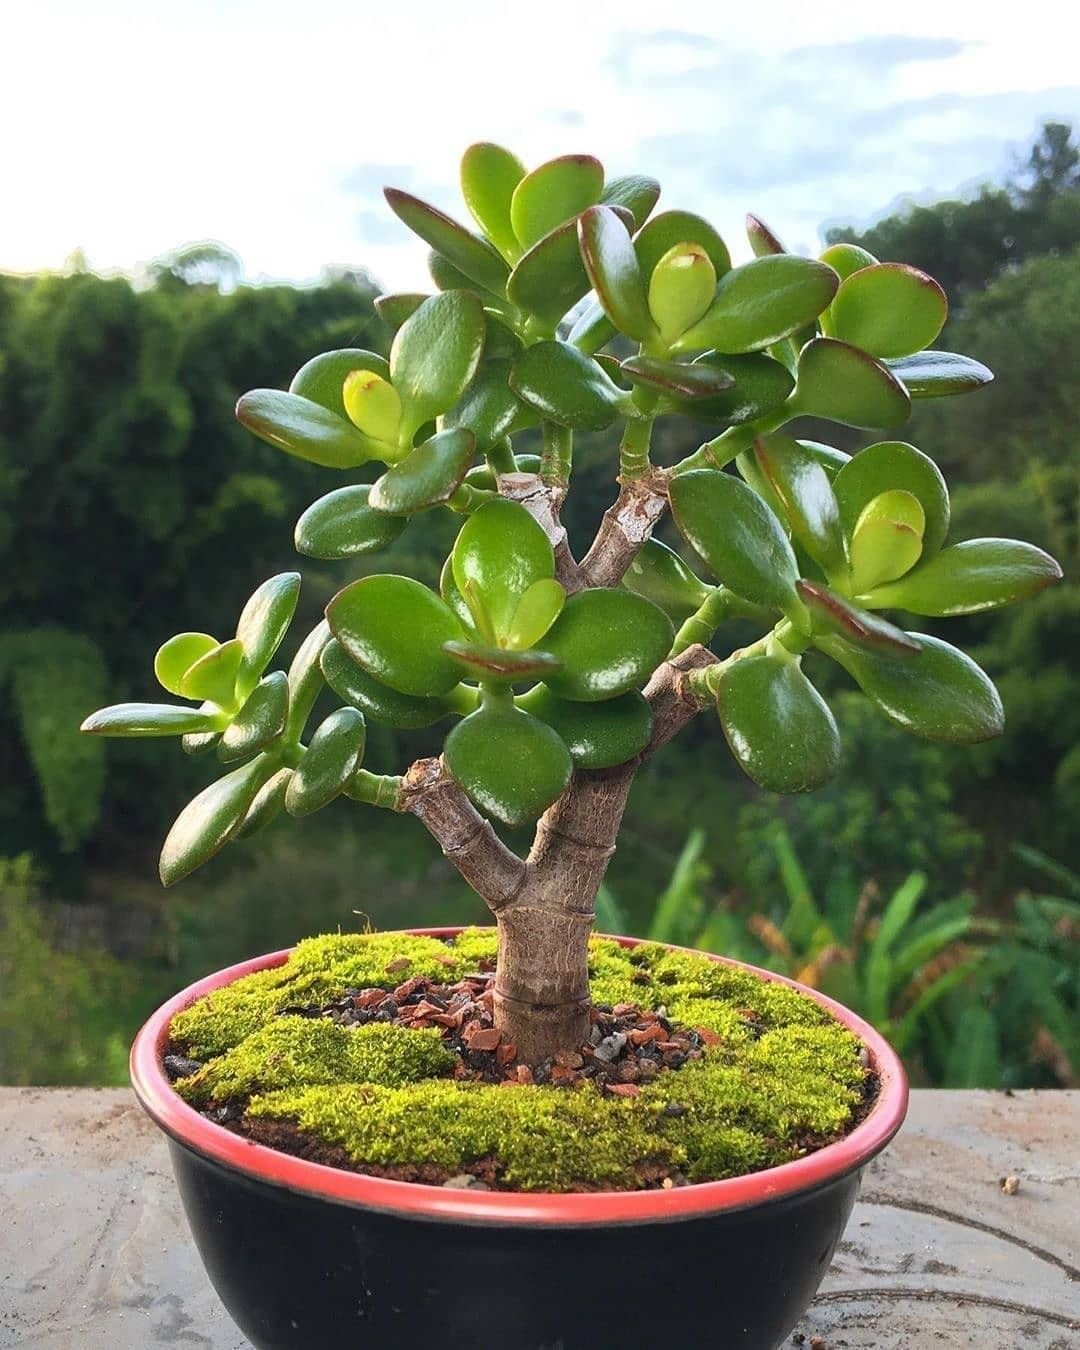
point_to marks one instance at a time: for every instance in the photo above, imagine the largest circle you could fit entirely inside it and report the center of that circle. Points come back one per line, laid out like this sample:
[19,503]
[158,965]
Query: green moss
[782,1077]
[304,1051]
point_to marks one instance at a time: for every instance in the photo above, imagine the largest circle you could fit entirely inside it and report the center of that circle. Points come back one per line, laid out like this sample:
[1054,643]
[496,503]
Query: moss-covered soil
[732,1074]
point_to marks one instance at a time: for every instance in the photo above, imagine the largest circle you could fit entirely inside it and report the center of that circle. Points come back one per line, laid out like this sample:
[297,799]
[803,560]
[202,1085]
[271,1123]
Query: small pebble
[465,1182]
[1010,1185]
[176,1066]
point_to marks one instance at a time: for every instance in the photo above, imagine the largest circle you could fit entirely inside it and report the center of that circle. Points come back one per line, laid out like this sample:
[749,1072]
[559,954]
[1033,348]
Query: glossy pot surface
[305,1256]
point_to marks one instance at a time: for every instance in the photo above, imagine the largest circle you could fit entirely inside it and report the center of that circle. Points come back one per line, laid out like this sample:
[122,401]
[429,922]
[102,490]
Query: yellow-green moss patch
[779,1074]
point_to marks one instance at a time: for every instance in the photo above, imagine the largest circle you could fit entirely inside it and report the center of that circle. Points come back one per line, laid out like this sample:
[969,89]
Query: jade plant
[575,307]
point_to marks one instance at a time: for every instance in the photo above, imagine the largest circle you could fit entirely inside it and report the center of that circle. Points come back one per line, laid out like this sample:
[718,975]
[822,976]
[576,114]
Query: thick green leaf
[489,175]
[513,766]
[969,577]
[489,408]
[471,255]
[305,679]
[448,589]
[566,386]
[427,476]
[207,823]
[762,240]
[373,405]
[436,353]
[761,386]
[844,384]
[536,611]
[321,379]
[553,194]
[176,657]
[149,719]
[806,494]
[847,258]
[890,466]
[268,805]
[447,277]
[260,721]
[501,665]
[888,309]
[198,742]
[737,535]
[395,309]
[681,289]
[305,429]
[830,459]
[634,192]
[214,676]
[343,525]
[592,329]
[682,379]
[395,628]
[262,625]
[832,613]
[660,575]
[778,726]
[613,270]
[886,542]
[938,374]
[550,279]
[937,693]
[760,303]
[669,228]
[375,699]
[598,735]
[500,552]
[501,342]
[334,755]
[609,641]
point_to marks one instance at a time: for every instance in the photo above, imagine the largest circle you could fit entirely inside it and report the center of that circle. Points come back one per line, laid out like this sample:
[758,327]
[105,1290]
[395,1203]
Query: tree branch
[626,525]
[469,841]
[543,503]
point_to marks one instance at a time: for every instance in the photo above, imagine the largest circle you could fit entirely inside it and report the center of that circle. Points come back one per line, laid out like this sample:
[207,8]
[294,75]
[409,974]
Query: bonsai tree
[561,675]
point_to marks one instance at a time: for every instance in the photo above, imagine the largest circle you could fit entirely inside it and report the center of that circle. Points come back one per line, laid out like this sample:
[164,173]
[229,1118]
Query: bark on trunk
[542,981]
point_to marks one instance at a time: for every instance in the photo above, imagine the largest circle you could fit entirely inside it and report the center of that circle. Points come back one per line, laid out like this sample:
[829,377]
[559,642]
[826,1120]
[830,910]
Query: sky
[136,126]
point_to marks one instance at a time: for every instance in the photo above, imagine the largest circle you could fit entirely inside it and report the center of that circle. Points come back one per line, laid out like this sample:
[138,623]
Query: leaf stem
[557,455]
[634,448]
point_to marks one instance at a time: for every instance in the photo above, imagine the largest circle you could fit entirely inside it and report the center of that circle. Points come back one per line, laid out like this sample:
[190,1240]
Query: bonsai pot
[309,1257]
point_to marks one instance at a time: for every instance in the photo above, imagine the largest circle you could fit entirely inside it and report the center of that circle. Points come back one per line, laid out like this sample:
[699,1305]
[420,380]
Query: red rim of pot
[186,1125]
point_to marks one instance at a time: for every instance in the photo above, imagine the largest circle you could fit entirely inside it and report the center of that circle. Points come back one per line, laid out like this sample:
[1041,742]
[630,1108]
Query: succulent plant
[563,674]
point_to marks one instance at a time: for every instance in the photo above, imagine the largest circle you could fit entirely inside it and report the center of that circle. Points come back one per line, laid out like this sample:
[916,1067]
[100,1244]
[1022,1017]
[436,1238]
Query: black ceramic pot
[307,1257]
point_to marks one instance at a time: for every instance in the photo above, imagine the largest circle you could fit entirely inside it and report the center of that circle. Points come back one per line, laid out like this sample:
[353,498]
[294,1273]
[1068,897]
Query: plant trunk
[542,985]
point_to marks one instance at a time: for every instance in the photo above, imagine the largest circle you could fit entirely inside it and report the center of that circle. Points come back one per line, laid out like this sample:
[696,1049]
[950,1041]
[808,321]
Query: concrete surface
[95,1253]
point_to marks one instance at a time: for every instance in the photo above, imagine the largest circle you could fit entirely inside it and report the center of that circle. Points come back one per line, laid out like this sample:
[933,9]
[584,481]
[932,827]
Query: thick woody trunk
[542,984]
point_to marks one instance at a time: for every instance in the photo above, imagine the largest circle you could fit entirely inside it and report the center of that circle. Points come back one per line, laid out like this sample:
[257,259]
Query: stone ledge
[95,1253]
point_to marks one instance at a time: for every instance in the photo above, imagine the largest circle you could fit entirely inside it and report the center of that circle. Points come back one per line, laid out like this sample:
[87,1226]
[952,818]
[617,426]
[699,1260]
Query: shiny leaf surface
[609,641]
[305,679]
[847,258]
[939,374]
[305,429]
[778,726]
[846,385]
[598,735]
[890,466]
[499,664]
[832,613]
[268,805]
[473,256]
[489,408]
[552,194]
[737,535]
[636,193]
[967,578]
[395,628]
[760,386]
[660,575]
[214,676]
[435,354]
[889,309]
[321,379]
[149,719]
[373,405]
[207,823]
[592,329]
[804,491]
[176,657]
[536,611]
[512,765]
[669,228]
[262,625]
[427,476]
[343,525]
[614,273]
[566,386]
[683,379]
[260,721]
[489,175]
[938,693]
[501,551]
[762,240]
[681,289]
[396,308]
[334,755]
[760,303]
[550,279]
[375,699]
